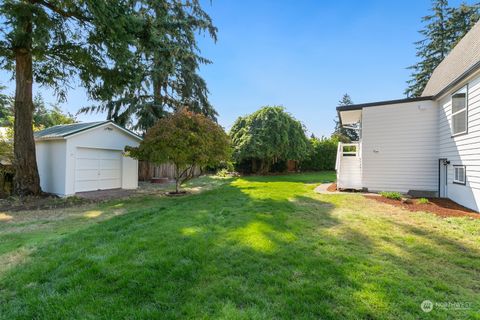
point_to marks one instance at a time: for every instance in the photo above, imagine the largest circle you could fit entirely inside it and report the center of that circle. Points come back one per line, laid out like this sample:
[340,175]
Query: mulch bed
[439,206]
[332,187]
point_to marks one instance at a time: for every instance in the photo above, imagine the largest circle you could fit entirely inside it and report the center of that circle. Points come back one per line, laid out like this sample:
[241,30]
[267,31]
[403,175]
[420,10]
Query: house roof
[63,131]
[380,103]
[462,61]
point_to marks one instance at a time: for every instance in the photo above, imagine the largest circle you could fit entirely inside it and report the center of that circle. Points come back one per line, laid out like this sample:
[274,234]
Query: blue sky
[302,54]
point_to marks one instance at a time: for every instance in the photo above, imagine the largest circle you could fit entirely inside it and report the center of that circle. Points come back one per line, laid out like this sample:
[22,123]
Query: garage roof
[63,131]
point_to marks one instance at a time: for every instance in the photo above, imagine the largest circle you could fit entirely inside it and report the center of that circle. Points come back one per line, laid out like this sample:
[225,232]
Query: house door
[442,178]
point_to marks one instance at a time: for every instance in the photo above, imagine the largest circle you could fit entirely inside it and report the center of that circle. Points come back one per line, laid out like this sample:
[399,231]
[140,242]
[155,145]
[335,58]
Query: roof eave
[470,71]
[381,103]
[49,138]
[134,135]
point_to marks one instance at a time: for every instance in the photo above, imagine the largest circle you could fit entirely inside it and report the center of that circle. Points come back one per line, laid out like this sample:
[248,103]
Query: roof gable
[65,131]
[458,64]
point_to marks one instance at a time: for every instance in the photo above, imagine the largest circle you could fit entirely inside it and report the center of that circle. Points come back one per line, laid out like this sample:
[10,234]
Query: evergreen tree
[5,110]
[462,19]
[49,42]
[443,29]
[170,81]
[45,117]
[341,133]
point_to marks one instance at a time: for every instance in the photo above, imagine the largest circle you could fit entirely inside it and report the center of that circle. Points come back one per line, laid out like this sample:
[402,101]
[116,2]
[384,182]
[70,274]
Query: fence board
[148,170]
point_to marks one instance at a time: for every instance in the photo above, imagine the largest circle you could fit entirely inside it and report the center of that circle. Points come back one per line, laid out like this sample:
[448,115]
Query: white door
[97,169]
[442,178]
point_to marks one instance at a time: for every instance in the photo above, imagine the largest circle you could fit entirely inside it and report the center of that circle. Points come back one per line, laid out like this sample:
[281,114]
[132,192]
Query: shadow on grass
[307,177]
[239,251]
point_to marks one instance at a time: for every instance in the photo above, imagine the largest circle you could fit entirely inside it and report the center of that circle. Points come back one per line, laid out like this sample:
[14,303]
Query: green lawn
[248,248]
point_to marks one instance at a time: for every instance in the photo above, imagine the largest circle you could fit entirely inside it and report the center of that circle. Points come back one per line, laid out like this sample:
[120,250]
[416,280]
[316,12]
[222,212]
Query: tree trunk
[26,180]
[2,183]
[177,178]
[264,166]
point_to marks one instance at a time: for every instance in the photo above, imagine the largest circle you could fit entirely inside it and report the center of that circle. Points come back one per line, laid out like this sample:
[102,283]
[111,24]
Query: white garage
[86,157]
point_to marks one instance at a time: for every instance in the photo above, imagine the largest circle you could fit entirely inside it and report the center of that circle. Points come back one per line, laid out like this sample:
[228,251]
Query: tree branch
[65,14]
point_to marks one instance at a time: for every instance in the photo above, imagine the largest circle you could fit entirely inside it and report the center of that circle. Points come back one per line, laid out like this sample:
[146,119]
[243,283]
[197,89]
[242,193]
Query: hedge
[322,155]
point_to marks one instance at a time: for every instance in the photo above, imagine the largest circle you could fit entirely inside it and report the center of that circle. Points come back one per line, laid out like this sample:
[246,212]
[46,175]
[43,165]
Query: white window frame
[350,153]
[457,181]
[464,88]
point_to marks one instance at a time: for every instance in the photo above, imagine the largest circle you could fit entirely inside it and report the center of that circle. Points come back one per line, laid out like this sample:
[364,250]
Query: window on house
[459,111]
[459,174]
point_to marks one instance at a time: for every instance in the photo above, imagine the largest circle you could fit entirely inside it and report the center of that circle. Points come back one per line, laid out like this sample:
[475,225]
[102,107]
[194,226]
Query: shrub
[223,173]
[391,195]
[423,201]
[227,165]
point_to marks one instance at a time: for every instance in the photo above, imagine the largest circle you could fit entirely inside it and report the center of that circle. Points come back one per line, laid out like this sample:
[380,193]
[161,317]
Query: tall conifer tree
[170,80]
[345,134]
[442,31]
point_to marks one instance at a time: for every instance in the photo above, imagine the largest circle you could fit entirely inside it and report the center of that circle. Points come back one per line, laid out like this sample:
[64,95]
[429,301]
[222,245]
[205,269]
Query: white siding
[106,137]
[51,162]
[129,173]
[462,149]
[350,173]
[400,147]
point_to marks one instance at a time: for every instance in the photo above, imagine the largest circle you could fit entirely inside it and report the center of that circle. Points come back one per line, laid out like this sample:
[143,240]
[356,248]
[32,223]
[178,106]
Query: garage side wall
[51,164]
[129,173]
[106,137]
[400,147]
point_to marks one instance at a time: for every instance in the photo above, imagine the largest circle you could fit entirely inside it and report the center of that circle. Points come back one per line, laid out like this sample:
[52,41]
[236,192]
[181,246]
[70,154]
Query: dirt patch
[13,204]
[101,195]
[440,207]
[332,187]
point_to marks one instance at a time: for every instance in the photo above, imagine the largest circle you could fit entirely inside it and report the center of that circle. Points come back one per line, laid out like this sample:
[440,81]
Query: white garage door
[97,169]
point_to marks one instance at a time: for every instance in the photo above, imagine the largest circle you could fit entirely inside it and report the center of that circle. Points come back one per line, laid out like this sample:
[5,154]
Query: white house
[428,145]
[85,157]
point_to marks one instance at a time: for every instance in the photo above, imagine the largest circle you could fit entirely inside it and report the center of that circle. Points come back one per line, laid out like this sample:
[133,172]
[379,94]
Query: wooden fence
[147,171]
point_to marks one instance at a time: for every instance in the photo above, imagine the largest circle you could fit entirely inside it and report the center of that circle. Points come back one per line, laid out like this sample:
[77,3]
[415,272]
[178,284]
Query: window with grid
[459,174]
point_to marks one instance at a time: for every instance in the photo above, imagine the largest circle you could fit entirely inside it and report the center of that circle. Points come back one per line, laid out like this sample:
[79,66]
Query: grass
[246,248]
[391,195]
[423,201]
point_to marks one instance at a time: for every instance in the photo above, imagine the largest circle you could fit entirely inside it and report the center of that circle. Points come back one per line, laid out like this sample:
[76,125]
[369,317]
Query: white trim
[101,126]
[68,136]
[463,89]
[458,86]
[49,138]
[455,180]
